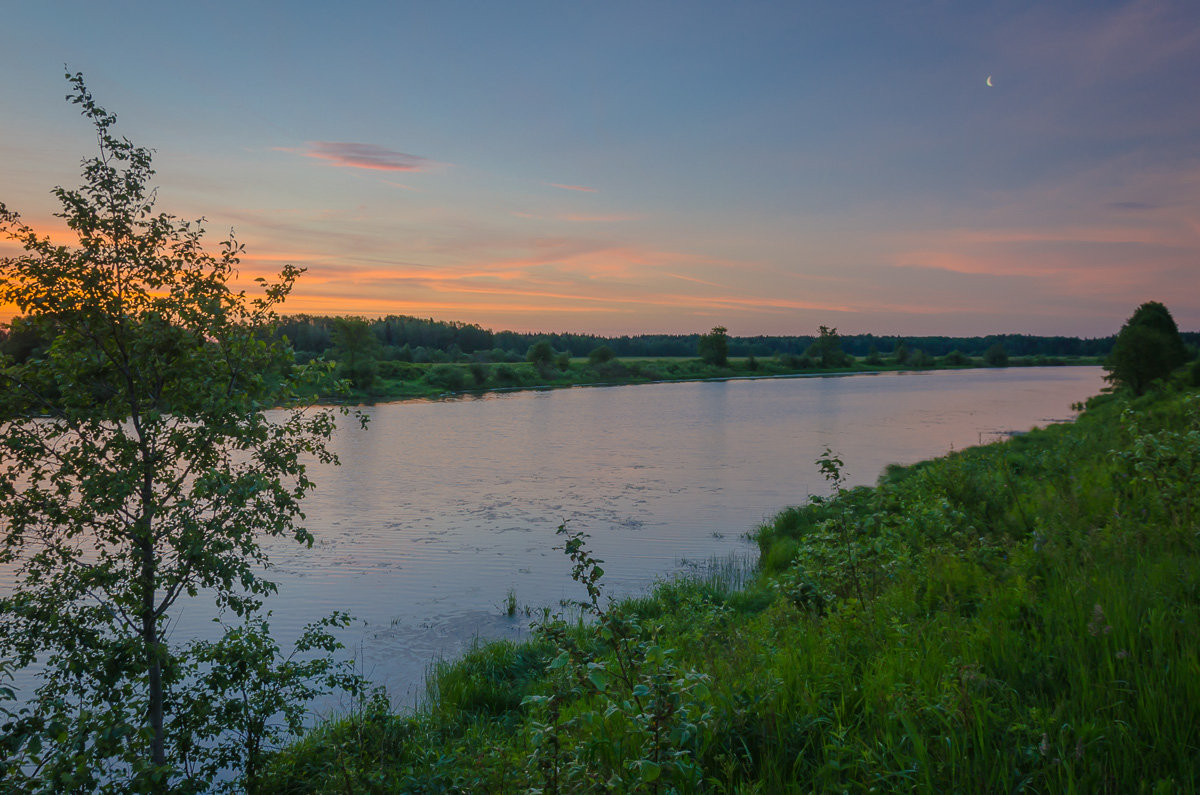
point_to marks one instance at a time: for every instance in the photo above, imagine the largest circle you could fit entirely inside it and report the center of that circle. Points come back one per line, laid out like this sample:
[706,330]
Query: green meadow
[398,380]
[1021,616]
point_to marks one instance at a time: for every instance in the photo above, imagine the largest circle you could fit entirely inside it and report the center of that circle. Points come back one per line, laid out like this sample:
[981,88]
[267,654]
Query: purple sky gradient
[630,167]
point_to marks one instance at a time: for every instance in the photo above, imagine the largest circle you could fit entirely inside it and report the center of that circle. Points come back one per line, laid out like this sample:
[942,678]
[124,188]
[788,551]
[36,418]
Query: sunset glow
[635,168]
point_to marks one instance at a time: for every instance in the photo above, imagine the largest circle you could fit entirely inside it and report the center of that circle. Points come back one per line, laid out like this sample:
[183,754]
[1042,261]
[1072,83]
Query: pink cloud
[612,218]
[582,188]
[579,218]
[368,156]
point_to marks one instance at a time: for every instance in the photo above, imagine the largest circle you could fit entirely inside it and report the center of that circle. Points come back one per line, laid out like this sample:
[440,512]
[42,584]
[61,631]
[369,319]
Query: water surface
[439,509]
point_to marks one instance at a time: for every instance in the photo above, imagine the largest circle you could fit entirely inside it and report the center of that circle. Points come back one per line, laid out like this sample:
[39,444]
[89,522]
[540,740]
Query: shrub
[600,355]
[446,376]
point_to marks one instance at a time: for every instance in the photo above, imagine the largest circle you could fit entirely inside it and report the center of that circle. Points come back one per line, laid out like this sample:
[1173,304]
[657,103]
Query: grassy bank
[1023,616]
[396,380]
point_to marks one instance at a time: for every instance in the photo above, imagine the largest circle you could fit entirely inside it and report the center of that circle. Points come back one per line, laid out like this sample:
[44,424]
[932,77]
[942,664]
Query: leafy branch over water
[138,470]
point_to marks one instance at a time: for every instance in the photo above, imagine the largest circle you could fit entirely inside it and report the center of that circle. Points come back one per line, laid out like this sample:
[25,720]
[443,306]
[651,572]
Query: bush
[920,360]
[996,356]
[400,369]
[507,374]
[1148,348]
[600,355]
[540,354]
[446,376]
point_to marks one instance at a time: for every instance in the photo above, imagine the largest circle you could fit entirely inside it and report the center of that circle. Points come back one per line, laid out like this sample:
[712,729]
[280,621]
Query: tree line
[409,338]
[414,339]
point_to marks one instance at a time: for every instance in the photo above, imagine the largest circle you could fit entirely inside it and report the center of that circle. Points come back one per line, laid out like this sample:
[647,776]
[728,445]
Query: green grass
[1023,616]
[406,380]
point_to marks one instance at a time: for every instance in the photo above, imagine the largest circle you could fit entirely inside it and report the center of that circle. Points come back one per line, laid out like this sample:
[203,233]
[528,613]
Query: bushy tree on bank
[137,467]
[826,349]
[541,356]
[713,348]
[356,351]
[1148,348]
[996,356]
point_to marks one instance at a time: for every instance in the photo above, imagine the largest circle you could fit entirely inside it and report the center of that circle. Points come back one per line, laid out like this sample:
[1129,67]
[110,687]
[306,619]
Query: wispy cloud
[582,188]
[1133,206]
[367,156]
[580,218]
[611,218]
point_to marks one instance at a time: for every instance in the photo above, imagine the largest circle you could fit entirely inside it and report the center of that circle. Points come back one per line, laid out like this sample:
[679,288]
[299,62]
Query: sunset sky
[645,167]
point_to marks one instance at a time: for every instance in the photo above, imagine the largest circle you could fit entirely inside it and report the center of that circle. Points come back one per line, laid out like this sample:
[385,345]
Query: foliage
[446,376]
[479,373]
[1163,468]
[137,467]
[920,360]
[713,347]
[356,351]
[996,356]
[826,349]
[651,712]
[1148,348]
[956,358]
[600,355]
[398,378]
[271,693]
[540,354]
[400,336]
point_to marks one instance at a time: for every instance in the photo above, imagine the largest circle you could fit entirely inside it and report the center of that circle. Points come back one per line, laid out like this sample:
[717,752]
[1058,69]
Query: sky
[650,167]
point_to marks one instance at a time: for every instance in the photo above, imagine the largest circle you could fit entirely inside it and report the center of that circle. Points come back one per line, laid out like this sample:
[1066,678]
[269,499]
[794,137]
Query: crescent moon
[989,80]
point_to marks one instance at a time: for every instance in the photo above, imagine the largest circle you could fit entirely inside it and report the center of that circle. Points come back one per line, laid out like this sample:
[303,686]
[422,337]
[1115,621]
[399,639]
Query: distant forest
[413,339]
[405,338]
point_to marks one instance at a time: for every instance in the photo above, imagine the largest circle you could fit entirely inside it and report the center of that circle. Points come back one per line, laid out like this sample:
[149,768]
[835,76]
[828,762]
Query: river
[440,510]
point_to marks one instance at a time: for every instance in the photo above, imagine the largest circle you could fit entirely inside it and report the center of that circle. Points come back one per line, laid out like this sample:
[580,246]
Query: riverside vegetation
[1022,616]
[376,371]
[371,369]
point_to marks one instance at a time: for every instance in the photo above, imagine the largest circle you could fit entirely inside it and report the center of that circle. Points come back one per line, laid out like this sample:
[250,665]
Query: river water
[440,509]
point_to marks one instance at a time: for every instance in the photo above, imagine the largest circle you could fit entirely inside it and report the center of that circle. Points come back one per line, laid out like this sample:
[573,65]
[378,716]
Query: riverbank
[407,380]
[1019,615]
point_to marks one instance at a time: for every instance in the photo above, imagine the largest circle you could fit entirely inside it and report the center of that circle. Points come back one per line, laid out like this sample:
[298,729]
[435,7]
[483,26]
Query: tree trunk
[155,686]
[150,639]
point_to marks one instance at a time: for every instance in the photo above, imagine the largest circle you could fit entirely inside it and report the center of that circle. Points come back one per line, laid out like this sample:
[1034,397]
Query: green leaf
[600,679]
[648,770]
